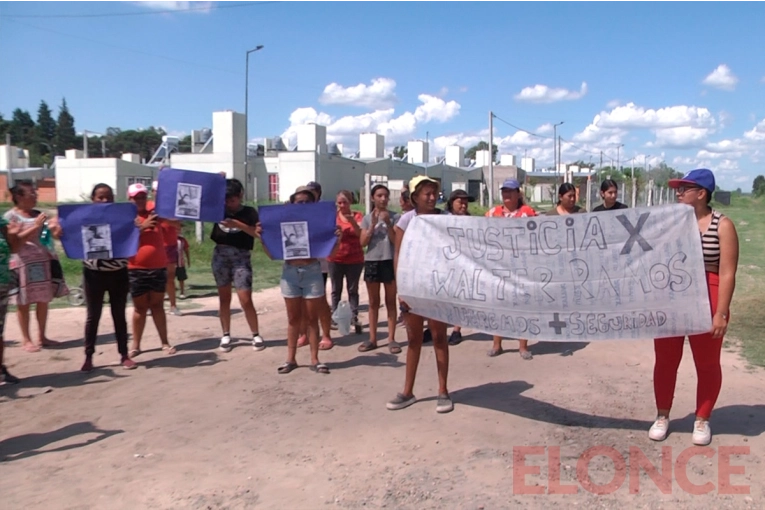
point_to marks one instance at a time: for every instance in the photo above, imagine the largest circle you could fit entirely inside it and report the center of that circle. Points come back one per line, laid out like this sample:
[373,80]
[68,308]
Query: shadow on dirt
[30,445]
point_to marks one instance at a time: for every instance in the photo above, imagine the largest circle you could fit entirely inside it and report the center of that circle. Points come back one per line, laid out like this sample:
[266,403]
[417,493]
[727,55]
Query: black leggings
[97,284]
[352,274]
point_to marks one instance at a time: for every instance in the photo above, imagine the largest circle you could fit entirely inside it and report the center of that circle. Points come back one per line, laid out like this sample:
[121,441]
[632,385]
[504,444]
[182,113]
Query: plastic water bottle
[342,317]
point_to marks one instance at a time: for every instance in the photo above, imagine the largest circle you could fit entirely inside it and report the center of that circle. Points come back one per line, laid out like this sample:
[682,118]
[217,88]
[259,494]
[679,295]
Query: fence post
[634,193]
[589,195]
[650,192]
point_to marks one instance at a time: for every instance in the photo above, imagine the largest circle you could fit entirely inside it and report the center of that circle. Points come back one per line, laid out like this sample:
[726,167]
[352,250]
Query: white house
[76,176]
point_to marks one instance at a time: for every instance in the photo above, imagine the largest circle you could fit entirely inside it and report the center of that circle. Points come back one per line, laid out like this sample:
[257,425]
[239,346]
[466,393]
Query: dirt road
[210,430]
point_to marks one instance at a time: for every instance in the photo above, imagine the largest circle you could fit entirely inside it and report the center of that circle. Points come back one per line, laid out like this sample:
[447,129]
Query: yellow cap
[418,179]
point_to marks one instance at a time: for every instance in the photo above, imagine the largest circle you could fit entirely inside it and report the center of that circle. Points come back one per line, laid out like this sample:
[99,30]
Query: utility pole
[491,159]
[600,168]
[555,149]
[246,116]
[564,176]
[426,148]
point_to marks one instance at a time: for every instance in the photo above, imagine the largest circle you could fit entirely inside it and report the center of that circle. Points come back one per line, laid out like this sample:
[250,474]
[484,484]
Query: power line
[521,129]
[140,52]
[228,5]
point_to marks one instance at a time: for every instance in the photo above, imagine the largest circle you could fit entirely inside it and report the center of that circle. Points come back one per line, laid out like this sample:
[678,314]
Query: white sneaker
[702,433]
[258,344]
[225,343]
[659,429]
[174,311]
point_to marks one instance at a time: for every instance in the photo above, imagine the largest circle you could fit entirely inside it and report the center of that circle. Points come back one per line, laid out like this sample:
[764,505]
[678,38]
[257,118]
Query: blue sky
[679,82]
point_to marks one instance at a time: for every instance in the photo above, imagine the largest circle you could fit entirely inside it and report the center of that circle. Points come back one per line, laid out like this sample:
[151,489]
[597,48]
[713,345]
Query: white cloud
[435,108]
[725,118]
[757,133]
[200,7]
[545,128]
[379,94]
[721,78]
[442,92]
[684,137]
[545,94]
[396,130]
[613,103]
[630,116]
[465,89]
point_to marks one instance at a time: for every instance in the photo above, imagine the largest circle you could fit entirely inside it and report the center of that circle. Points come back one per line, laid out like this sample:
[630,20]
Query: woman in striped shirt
[719,243]
[101,276]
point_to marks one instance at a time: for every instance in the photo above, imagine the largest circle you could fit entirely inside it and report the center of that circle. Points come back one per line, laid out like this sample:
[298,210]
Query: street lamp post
[246,116]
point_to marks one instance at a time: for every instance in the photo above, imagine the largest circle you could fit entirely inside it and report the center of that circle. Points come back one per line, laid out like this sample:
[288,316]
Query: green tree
[400,151]
[4,127]
[758,186]
[45,133]
[22,128]
[482,146]
[66,137]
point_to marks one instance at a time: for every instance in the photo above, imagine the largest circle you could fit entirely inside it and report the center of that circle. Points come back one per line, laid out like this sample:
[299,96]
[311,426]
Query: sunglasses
[681,190]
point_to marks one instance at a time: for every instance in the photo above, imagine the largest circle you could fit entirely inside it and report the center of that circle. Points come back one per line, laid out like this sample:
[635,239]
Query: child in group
[184,261]
[231,262]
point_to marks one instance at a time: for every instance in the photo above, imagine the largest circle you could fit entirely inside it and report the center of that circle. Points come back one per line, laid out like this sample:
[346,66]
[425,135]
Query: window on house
[146,181]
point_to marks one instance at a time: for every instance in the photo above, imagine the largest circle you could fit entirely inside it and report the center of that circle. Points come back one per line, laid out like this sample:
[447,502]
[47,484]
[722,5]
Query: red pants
[706,356]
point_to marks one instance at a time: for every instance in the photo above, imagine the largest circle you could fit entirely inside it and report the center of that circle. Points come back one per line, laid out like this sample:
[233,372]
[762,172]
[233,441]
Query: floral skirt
[39,276]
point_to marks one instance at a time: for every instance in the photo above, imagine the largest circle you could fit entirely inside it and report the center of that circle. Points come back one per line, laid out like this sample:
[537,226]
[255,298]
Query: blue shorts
[305,282]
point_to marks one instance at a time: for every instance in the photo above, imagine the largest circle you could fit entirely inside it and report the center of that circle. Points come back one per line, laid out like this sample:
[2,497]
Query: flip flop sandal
[169,349]
[302,341]
[326,344]
[286,368]
[526,355]
[134,352]
[321,368]
[367,346]
[394,348]
[495,352]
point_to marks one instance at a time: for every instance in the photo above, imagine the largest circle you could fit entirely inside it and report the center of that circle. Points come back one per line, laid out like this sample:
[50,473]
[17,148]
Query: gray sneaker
[444,404]
[400,402]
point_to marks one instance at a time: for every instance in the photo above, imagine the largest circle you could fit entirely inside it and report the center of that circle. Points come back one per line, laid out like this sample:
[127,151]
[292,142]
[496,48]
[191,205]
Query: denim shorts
[305,282]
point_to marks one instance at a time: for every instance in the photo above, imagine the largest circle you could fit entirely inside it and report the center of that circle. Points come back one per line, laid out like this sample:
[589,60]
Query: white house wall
[75,178]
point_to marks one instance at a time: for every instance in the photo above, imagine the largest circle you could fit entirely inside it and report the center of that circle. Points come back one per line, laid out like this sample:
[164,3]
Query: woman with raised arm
[609,190]
[377,235]
[348,261]
[38,270]
[719,244]
[147,273]
[512,207]
[566,201]
[424,196]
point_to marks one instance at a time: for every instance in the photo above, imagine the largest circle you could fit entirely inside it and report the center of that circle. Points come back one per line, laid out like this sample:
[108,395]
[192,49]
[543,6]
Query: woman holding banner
[377,234]
[424,196]
[234,240]
[147,273]
[719,244]
[36,265]
[457,204]
[303,289]
[512,207]
[101,276]
[566,201]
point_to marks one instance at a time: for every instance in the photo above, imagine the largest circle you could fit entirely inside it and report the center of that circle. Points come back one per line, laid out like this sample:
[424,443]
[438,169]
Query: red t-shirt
[350,250]
[499,211]
[169,232]
[151,249]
